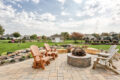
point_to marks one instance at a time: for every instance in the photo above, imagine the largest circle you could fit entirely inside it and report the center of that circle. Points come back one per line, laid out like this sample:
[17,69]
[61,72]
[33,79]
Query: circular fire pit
[79,61]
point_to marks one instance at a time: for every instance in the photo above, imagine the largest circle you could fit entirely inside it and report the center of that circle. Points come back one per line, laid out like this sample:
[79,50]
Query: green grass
[11,47]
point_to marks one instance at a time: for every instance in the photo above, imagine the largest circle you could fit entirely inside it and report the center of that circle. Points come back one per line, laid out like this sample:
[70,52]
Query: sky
[47,17]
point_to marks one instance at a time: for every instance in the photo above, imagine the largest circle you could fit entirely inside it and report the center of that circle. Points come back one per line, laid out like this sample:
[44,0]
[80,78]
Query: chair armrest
[53,49]
[102,58]
[104,54]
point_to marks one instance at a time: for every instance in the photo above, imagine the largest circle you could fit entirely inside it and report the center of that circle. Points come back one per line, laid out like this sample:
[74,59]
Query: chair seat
[52,52]
[37,58]
[46,58]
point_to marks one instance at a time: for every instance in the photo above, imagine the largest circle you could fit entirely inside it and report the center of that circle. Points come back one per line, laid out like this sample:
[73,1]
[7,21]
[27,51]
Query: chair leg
[95,63]
[34,65]
[113,70]
[56,55]
[42,65]
[46,54]
[106,66]
[113,65]
[48,62]
[53,57]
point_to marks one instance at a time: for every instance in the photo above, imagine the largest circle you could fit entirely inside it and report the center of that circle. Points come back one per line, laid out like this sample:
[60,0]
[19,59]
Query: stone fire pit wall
[79,61]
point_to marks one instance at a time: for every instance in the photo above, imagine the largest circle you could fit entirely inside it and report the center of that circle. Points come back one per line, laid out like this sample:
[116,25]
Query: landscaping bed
[17,56]
[21,55]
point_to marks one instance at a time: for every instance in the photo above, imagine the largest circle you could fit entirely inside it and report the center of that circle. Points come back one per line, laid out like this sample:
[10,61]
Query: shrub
[16,41]
[9,42]
[2,62]
[23,41]
[31,56]
[12,60]
[22,58]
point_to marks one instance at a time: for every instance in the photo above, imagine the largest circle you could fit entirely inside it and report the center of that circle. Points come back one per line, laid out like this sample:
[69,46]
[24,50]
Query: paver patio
[57,70]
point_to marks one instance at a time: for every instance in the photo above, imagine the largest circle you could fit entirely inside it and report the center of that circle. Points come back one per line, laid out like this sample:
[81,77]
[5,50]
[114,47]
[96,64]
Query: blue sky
[46,17]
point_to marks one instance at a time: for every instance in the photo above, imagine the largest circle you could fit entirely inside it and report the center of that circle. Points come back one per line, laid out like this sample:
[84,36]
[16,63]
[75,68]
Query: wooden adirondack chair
[50,51]
[112,48]
[39,60]
[107,62]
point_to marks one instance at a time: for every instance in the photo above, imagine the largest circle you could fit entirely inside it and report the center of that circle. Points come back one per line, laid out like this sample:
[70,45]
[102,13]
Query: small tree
[1,30]
[34,36]
[76,36]
[119,36]
[65,35]
[108,38]
[105,34]
[44,38]
[96,35]
[16,34]
[115,36]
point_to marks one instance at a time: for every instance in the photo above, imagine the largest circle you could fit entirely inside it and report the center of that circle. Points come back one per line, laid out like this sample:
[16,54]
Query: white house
[57,38]
[10,36]
[27,37]
[89,36]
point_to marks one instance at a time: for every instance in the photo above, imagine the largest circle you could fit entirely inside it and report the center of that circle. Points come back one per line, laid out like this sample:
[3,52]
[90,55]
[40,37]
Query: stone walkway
[57,70]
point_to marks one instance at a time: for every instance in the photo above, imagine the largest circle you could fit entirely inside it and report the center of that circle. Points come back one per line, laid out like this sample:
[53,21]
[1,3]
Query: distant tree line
[69,36]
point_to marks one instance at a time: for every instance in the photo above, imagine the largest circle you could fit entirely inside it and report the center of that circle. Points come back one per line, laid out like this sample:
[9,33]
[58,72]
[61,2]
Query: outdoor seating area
[57,70]
[48,64]
[42,59]
[59,40]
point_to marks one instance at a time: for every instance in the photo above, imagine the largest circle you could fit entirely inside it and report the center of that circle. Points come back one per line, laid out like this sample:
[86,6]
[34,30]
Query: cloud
[105,15]
[63,13]
[89,25]
[48,16]
[36,1]
[78,1]
[25,22]
[79,14]
[15,1]
[70,19]
[19,6]
[62,1]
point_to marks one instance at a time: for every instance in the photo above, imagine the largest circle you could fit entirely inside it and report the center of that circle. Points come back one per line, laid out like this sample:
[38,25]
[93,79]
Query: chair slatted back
[35,51]
[47,47]
[113,53]
[113,47]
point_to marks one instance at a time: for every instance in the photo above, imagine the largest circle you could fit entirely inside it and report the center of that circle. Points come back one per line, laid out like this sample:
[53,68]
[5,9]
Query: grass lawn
[10,47]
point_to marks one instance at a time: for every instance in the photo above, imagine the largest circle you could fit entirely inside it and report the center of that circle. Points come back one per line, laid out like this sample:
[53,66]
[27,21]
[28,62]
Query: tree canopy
[76,35]
[34,36]
[105,34]
[65,35]
[96,35]
[16,34]
[1,30]
[44,37]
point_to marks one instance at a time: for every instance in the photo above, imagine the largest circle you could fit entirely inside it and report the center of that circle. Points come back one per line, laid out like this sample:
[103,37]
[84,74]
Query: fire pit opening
[78,52]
